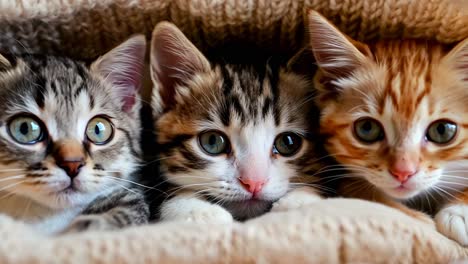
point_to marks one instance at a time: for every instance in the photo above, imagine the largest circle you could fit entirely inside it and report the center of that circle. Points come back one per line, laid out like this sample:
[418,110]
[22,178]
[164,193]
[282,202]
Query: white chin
[402,194]
[68,199]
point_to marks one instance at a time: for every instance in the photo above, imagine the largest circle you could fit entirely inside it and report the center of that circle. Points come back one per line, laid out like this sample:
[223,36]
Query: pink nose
[402,175]
[252,185]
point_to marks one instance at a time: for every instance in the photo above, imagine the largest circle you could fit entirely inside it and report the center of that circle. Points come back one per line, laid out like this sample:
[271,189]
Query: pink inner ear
[128,95]
[123,68]
[130,83]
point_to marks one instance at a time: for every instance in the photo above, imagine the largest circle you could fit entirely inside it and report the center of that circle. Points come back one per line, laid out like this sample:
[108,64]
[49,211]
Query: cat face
[68,132]
[235,134]
[394,112]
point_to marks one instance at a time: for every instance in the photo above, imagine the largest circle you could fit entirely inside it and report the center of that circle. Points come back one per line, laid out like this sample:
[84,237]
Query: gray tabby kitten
[69,140]
[234,139]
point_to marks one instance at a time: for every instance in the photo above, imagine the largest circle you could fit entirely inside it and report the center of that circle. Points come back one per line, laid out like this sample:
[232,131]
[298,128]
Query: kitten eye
[287,144]
[25,130]
[214,142]
[99,130]
[441,132]
[368,130]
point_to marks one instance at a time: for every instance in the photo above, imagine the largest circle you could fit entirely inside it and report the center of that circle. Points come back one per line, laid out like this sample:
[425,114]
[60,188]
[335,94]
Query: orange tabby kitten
[395,114]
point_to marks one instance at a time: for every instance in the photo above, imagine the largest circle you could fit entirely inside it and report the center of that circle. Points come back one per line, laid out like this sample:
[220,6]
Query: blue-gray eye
[368,130]
[25,130]
[441,131]
[214,142]
[287,144]
[99,130]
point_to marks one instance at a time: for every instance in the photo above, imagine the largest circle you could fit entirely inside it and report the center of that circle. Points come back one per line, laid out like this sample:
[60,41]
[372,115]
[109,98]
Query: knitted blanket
[329,231]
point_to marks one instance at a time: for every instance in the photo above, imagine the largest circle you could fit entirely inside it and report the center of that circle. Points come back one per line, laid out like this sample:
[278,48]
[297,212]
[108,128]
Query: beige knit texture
[87,28]
[329,231]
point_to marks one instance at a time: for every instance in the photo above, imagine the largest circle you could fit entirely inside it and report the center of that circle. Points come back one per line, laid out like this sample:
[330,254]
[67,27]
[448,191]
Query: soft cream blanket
[329,231]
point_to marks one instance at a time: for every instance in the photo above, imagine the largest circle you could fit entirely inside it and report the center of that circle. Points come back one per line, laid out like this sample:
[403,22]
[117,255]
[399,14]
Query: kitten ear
[123,67]
[335,53]
[458,57]
[174,60]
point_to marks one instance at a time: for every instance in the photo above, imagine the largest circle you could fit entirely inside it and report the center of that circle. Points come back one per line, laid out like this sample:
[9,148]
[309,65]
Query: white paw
[452,221]
[296,198]
[214,214]
[192,209]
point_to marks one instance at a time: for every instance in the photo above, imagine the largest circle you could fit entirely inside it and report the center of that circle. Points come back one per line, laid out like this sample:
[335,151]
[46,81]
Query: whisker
[188,177]
[129,181]
[128,189]
[158,159]
[12,177]
[447,193]
[9,170]
[11,185]
[454,177]
[315,186]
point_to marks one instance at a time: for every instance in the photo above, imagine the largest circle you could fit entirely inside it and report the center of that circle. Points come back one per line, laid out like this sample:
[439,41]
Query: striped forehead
[249,95]
[407,82]
[56,91]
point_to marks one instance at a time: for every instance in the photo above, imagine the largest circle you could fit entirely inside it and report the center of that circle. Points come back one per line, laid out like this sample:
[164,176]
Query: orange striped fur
[416,93]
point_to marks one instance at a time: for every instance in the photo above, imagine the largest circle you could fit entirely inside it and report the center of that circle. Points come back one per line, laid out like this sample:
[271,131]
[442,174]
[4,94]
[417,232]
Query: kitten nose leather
[69,156]
[71,166]
[252,185]
[403,167]
[402,176]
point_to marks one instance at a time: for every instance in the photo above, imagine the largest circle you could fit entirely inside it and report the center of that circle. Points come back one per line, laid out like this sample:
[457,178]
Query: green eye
[25,130]
[441,132]
[287,144]
[368,130]
[99,130]
[214,142]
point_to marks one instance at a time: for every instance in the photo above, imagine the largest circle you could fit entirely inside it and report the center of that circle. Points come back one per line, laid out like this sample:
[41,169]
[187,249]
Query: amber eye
[441,131]
[368,130]
[287,144]
[214,142]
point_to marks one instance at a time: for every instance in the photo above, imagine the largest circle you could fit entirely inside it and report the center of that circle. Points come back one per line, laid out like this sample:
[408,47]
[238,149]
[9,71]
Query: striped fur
[406,85]
[251,105]
[64,95]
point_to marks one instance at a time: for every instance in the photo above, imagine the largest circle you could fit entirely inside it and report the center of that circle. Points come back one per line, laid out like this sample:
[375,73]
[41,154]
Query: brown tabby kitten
[69,140]
[234,138]
[395,114]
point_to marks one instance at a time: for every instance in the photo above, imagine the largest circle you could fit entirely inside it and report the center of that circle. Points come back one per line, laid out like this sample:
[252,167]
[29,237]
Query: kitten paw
[295,199]
[89,222]
[211,215]
[452,221]
[191,209]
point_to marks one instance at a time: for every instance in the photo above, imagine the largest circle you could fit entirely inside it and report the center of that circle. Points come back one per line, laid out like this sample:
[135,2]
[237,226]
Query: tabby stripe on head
[267,104]
[40,85]
[175,142]
[274,79]
[193,161]
[130,141]
[237,107]
[227,81]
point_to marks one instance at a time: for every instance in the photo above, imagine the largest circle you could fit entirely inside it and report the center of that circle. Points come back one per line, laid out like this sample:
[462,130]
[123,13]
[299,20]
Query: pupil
[212,140]
[441,129]
[367,126]
[24,128]
[97,130]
